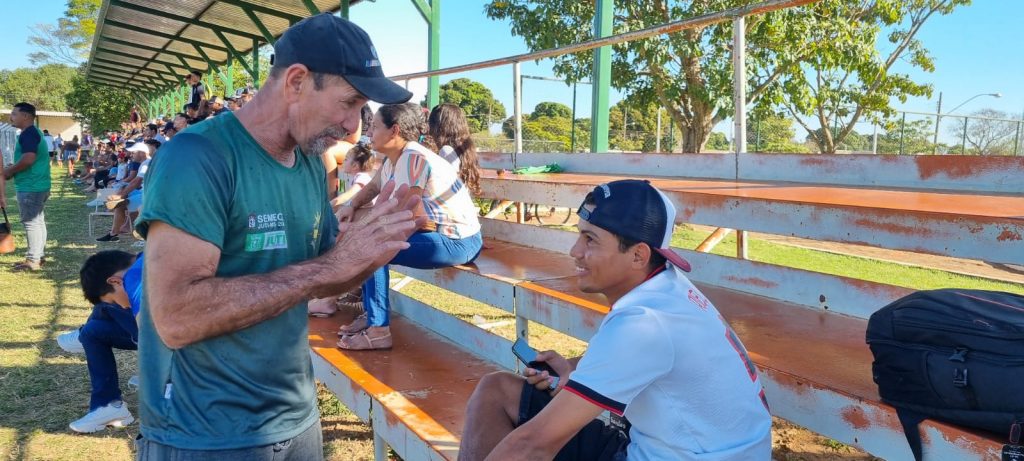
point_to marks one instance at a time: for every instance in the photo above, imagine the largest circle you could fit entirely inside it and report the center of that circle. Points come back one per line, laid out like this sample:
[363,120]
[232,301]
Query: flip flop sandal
[363,342]
[359,325]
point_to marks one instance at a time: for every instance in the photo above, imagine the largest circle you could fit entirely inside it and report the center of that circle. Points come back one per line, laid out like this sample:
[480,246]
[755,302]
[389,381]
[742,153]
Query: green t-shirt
[255,386]
[35,178]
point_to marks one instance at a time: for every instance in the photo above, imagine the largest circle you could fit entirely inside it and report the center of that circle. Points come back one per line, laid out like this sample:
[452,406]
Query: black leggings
[100,178]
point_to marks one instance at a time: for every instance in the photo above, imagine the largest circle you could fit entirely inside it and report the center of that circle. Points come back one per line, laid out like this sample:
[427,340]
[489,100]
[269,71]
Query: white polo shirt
[666,360]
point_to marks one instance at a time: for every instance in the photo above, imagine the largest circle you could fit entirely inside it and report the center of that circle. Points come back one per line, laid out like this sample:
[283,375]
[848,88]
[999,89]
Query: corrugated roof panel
[133,62]
[144,54]
[188,8]
[231,17]
[227,16]
[294,7]
[144,20]
[132,36]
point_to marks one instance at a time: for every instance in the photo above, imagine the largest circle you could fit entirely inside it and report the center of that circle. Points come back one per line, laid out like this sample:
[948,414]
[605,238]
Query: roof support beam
[423,8]
[311,7]
[259,25]
[182,19]
[214,67]
[239,56]
[244,5]
[109,22]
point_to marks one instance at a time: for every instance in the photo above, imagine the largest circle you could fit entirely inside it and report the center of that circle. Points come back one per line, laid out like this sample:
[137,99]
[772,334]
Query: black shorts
[597,441]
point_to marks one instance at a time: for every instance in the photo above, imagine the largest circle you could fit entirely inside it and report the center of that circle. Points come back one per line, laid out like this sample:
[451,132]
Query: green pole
[434,54]
[601,78]
[255,63]
[229,78]
[344,9]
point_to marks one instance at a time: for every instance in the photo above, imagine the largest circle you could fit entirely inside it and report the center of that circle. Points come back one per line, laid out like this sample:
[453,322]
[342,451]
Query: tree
[70,39]
[772,133]
[914,137]
[985,135]
[43,87]
[102,107]
[475,99]
[718,142]
[843,76]
[551,109]
[690,73]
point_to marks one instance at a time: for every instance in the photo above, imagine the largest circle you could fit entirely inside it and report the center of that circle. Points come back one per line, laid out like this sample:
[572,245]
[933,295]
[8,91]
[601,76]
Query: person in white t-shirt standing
[663,358]
[450,237]
[450,131]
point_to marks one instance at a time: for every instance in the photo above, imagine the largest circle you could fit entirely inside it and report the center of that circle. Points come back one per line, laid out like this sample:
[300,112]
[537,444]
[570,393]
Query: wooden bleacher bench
[804,330]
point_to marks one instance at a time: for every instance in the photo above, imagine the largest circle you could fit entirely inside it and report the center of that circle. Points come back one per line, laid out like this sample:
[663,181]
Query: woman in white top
[451,235]
[450,131]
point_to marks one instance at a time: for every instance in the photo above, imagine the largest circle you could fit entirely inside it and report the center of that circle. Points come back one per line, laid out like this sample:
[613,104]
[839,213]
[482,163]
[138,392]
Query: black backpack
[952,355]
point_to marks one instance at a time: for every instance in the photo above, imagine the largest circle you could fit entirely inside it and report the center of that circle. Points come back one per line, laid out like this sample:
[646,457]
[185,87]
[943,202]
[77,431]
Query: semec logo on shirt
[261,241]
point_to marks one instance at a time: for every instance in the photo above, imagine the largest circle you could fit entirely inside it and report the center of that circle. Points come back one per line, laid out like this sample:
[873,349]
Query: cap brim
[379,89]
[674,258]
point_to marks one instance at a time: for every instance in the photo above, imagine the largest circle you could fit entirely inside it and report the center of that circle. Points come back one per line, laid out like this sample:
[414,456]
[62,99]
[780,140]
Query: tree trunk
[695,135]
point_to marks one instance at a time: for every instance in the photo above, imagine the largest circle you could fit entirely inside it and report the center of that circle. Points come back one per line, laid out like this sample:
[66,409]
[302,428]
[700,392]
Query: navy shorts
[597,441]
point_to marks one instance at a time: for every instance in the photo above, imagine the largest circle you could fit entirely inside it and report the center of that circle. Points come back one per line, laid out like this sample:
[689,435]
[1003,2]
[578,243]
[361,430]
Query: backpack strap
[910,420]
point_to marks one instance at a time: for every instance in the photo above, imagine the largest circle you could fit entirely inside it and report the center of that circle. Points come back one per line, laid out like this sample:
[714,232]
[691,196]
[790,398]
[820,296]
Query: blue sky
[976,50]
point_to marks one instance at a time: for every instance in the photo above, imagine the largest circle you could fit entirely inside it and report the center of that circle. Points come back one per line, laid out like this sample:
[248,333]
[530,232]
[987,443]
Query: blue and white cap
[638,211]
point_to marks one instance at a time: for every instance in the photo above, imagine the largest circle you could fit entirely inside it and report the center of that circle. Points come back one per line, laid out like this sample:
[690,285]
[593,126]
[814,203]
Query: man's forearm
[22,165]
[211,307]
[520,448]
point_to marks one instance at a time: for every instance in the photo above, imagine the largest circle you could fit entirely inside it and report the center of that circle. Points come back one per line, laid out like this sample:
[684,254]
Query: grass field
[42,388]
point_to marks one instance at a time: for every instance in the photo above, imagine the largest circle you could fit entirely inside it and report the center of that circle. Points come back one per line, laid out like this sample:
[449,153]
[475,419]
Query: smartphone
[528,356]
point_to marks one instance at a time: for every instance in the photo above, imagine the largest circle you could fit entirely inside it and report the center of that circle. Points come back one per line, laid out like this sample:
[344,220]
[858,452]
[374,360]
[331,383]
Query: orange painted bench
[814,363]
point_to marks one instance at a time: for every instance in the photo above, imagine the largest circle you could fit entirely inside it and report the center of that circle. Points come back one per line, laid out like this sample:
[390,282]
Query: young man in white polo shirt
[663,358]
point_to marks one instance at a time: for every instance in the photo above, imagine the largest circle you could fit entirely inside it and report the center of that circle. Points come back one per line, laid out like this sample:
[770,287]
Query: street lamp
[938,115]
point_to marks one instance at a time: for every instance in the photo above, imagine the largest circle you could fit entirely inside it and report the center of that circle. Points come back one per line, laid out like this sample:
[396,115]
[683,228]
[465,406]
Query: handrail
[667,28]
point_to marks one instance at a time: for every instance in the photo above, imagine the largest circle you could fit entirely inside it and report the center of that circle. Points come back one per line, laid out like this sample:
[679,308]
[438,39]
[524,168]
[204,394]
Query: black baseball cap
[636,210]
[331,45]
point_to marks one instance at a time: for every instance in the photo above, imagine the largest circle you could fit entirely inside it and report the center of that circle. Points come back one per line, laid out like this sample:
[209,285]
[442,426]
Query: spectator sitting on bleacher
[358,168]
[129,199]
[111,326]
[663,358]
[451,237]
[450,131]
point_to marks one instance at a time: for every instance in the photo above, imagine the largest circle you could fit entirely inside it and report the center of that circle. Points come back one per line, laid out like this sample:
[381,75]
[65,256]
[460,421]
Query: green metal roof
[148,45]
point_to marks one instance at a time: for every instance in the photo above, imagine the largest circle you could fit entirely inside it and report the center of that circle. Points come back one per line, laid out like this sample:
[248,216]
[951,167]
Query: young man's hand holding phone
[545,369]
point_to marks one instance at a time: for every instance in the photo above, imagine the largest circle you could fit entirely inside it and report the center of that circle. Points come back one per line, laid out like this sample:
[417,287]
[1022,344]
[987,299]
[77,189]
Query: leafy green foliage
[717,141]
[914,137]
[43,87]
[102,107]
[843,76]
[70,39]
[475,99]
[819,60]
[551,109]
[549,128]
[772,134]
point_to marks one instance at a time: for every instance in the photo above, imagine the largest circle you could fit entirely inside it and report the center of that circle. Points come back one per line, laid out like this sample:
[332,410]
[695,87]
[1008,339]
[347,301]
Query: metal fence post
[739,77]
[1016,140]
[517,107]
[903,131]
[963,143]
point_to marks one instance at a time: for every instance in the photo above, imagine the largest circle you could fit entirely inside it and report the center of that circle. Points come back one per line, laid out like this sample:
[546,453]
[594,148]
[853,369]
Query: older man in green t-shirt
[31,174]
[239,235]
